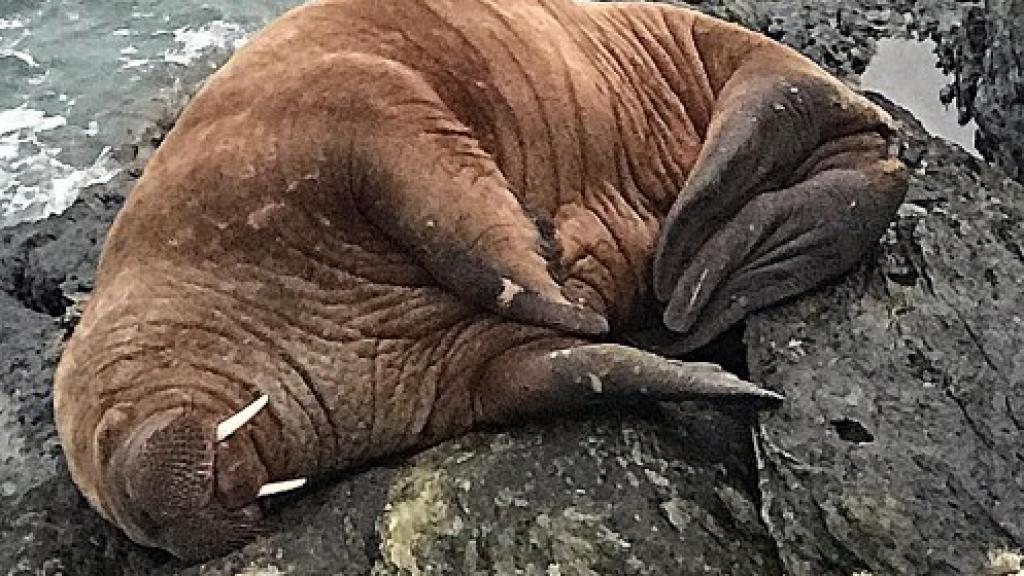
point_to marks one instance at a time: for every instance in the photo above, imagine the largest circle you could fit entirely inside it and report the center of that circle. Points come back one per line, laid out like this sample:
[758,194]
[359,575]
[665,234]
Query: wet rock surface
[900,449]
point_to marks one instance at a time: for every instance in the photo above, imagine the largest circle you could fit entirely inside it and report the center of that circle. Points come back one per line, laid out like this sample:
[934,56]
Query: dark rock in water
[989,60]
[46,264]
[900,448]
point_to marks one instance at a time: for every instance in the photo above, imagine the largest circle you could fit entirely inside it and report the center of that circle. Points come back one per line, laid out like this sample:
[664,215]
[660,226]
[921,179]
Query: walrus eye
[232,424]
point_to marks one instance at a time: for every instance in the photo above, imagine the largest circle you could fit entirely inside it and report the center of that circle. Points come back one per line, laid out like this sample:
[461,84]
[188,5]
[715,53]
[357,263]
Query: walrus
[383,223]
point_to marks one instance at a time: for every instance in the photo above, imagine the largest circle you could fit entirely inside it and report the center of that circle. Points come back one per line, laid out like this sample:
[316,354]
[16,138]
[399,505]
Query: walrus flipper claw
[615,371]
[477,282]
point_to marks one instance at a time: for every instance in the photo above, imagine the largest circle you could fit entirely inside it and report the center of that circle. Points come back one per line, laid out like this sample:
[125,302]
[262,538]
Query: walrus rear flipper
[794,182]
[784,243]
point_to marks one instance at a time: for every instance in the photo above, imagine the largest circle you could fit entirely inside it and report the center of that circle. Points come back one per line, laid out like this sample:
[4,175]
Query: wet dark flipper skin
[785,242]
[769,119]
[541,378]
[795,181]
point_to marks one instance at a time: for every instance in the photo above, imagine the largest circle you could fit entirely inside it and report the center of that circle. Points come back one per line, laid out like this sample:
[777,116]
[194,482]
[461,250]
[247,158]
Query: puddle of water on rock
[905,72]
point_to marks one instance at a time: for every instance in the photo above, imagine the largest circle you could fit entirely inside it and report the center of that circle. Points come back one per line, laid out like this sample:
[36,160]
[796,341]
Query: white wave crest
[25,118]
[19,55]
[30,202]
[11,24]
[194,43]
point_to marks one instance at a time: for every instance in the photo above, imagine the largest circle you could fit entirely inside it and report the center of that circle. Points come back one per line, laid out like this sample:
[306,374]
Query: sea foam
[34,181]
[193,43]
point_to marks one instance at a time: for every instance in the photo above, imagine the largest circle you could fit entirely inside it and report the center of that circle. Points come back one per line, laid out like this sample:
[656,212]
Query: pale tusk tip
[280,487]
[231,425]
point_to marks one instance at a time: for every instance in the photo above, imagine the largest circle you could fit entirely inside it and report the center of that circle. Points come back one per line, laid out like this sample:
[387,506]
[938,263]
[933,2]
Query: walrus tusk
[280,487]
[231,425]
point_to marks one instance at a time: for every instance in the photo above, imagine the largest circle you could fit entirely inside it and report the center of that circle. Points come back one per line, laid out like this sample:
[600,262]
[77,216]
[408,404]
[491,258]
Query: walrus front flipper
[449,205]
[430,186]
[537,379]
[786,242]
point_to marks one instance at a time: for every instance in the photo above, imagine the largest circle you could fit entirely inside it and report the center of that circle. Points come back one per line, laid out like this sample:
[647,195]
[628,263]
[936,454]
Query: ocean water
[80,78]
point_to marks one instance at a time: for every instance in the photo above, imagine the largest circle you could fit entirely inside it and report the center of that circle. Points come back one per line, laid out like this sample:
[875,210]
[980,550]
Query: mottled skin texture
[401,219]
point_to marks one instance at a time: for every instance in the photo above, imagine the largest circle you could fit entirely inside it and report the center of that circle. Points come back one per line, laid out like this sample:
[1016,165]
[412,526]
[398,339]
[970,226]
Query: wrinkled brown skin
[391,215]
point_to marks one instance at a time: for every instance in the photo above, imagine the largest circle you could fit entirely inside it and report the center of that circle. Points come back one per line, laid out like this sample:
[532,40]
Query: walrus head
[180,482]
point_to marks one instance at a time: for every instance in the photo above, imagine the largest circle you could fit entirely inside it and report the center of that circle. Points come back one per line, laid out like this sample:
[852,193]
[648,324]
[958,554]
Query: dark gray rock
[899,449]
[45,525]
[44,265]
[28,348]
[988,55]
[840,35]
[599,495]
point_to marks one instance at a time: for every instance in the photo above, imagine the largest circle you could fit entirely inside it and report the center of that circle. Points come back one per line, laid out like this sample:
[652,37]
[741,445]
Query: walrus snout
[163,482]
[188,485]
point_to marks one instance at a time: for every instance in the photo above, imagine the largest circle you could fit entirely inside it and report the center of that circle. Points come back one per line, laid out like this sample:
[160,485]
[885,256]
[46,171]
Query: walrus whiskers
[231,425]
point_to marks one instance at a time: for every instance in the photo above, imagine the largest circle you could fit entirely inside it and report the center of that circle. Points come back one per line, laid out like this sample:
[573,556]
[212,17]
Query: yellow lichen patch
[416,513]
[1004,562]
